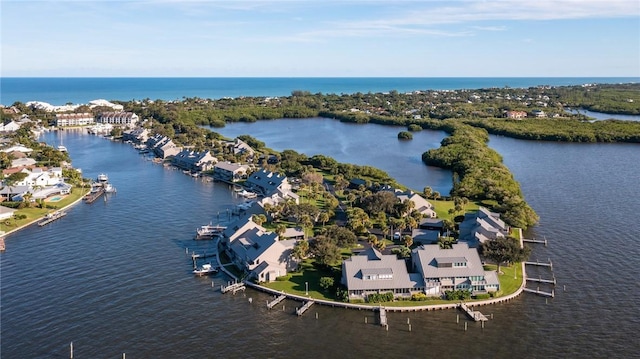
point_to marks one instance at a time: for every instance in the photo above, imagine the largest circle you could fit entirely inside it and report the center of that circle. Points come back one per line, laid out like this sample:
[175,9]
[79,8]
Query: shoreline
[4,235]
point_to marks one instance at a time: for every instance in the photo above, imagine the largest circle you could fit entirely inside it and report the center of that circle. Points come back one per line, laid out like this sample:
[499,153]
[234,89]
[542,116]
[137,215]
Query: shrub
[414,127]
[418,297]
[404,135]
[380,297]
[283,278]
[326,282]
[356,301]
[20,216]
[483,296]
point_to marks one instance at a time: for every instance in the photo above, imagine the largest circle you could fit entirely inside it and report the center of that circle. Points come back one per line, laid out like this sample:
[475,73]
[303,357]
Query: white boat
[61,148]
[108,188]
[205,269]
[209,231]
[103,178]
[247,194]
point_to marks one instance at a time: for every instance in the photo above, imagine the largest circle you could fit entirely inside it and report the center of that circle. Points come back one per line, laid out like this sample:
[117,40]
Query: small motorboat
[205,269]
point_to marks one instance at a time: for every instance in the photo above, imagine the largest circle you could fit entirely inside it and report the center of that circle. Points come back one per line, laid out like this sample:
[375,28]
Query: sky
[320,38]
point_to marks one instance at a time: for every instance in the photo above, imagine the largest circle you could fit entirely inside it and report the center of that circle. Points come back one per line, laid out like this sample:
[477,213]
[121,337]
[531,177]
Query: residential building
[126,119]
[229,172]
[259,252]
[194,161]
[267,183]
[515,114]
[456,268]
[372,272]
[74,119]
[481,226]
[163,146]
[421,205]
[138,135]
[11,126]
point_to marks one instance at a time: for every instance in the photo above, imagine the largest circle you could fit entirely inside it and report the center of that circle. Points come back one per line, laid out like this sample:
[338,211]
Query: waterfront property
[138,135]
[267,183]
[194,161]
[125,119]
[424,207]
[372,272]
[258,252]
[229,172]
[456,268]
[481,226]
[74,119]
[162,146]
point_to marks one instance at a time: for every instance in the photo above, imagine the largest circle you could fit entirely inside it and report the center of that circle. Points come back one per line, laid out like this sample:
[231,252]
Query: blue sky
[287,38]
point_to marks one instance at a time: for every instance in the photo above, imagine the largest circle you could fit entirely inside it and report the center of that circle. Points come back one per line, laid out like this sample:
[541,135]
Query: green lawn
[34,213]
[308,277]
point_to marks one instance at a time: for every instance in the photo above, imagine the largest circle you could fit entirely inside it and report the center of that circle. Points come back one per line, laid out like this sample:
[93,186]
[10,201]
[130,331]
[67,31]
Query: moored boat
[205,269]
[209,231]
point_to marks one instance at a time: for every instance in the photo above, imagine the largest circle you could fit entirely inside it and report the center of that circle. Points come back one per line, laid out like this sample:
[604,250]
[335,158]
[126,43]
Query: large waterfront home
[239,147]
[74,119]
[194,161]
[230,172]
[481,226]
[10,126]
[257,251]
[267,183]
[424,207]
[139,135]
[372,272]
[125,119]
[162,146]
[456,268]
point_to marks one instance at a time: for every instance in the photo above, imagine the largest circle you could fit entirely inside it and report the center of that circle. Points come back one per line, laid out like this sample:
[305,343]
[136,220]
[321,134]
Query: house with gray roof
[271,184]
[138,135]
[481,226]
[162,146]
[421,205]
[229,172]
[456,268]
[373,272]
[261,253]
[194,161]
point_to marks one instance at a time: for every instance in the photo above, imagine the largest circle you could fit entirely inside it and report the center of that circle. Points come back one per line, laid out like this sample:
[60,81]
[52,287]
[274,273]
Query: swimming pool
[55,199]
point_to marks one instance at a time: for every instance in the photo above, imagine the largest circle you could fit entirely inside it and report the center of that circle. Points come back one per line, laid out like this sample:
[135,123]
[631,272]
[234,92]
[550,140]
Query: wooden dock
[383,316]
[473,314]
[2,245]
[307,305]
[51,217]
[541,264]
[540,280]
[235,287]
[533,240]
[277,300]
[92,196]
[540,292]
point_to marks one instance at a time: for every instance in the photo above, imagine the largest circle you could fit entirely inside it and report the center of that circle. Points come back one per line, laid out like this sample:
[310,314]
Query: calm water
[112,277]
[59,91]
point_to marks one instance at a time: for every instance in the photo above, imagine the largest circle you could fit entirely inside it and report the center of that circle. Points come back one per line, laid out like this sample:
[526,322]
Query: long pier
[540,292]
[533,240]
[541,264]
[540,280]
[277,300]
[235,287]
[52,217]
[382,312]
[473,314]
[307,305]
[92,196]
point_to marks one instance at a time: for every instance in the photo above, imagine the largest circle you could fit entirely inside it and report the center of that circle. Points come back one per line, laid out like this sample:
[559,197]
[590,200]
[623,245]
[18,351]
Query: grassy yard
[34,213]
[308,277]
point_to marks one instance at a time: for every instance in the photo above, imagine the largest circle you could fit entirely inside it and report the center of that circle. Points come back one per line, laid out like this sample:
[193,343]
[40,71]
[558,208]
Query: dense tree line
[479,173]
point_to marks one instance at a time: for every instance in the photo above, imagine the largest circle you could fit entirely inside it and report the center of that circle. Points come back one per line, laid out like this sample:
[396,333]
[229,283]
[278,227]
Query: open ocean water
[113,276]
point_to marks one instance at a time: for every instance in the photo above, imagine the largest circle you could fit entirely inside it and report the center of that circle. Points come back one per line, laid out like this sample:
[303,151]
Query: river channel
[113,277]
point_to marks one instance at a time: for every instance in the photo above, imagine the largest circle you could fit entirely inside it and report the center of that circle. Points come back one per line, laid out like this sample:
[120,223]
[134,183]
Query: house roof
[427,258]
[371,270]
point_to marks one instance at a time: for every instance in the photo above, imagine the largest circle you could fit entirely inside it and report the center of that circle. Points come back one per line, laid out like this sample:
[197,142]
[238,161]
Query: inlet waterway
[113,277]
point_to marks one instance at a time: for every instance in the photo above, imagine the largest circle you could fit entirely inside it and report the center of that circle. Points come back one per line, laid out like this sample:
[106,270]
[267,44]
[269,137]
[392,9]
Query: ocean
[59,91]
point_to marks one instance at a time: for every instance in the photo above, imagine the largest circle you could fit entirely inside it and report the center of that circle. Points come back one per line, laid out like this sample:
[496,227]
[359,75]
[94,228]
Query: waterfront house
[481,226]
[124,119]
[259,252]
[138,135]
[267,183]
[11,126]
[194,161]
[74,119]
[19,148]
[424,207]
[6,212]
[229,172]
[162,146]
[373,272]
[239,147]
[456,268]
[7,193]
